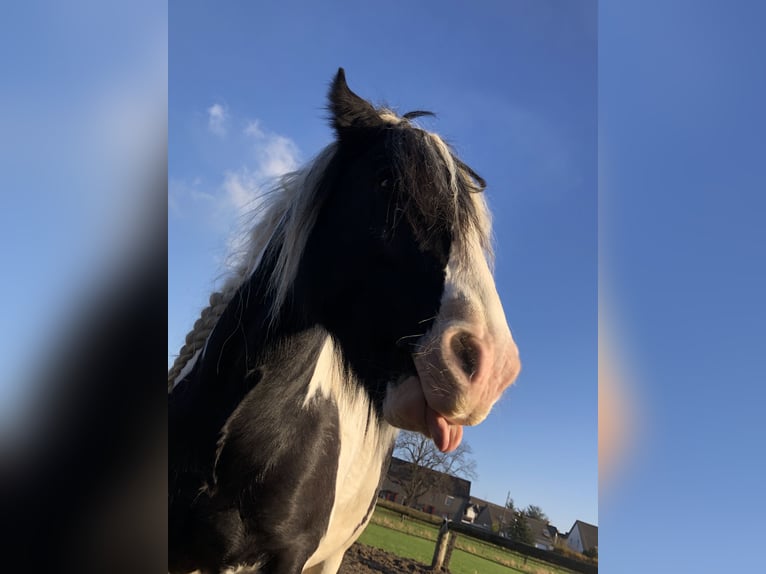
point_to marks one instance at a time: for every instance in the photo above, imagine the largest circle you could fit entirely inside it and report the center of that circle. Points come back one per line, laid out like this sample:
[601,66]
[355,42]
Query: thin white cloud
[216,119]
[274,155]
[243,189]
[253,129]
[277,156]
[201,195]
[230,208]
[240,189]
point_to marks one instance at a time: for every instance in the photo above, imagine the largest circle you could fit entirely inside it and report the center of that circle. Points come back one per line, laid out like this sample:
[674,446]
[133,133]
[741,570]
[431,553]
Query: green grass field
[409,546]
[399,543]
[394,520]
[412,538]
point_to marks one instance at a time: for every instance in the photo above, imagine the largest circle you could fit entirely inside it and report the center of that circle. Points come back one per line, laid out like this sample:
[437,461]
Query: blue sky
[514,88]
[681,126]
[681,192]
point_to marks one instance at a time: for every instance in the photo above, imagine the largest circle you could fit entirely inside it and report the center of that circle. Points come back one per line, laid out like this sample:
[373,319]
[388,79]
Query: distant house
[445,497]
[485,514]
[554,533]
[470,513]
[497,518]
[582,536]
[544,535]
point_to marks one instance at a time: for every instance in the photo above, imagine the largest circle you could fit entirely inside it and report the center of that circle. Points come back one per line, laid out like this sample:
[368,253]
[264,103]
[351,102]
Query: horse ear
[349,110]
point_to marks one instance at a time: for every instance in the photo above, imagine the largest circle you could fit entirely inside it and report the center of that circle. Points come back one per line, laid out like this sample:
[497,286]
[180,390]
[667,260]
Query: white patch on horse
[390,117]
[327,374]
[364,444]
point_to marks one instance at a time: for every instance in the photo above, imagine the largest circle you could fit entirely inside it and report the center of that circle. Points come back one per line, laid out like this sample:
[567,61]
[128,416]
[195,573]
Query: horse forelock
[444,190]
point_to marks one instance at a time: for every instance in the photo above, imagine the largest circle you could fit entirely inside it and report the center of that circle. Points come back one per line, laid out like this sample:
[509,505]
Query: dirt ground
[363,559]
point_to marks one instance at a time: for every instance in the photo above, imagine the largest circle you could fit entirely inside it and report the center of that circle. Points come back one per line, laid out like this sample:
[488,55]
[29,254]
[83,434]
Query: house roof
[588,534]
[400,470]
[539,528]
[553,530]
[495,510]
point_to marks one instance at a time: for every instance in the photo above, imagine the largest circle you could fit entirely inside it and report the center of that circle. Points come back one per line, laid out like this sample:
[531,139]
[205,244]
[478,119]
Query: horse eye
[384,183]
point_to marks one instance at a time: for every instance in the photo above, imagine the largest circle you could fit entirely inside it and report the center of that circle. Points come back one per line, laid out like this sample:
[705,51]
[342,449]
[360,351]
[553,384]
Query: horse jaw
[405,407]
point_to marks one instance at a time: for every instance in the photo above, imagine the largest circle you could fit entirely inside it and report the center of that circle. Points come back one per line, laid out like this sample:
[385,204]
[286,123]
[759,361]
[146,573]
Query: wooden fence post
[440,552]
[450,548]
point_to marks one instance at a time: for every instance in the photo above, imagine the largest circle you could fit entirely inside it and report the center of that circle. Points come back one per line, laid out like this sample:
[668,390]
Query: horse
[365,303]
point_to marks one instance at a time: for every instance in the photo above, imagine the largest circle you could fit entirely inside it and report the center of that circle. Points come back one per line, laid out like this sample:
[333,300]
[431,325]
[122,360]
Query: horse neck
[244,344]
[247,344]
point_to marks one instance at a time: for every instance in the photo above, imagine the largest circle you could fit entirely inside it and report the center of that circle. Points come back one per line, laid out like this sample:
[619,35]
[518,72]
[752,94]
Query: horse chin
[405,407]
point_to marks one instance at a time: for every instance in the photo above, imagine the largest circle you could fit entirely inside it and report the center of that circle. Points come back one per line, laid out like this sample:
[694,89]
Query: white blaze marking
[471,304]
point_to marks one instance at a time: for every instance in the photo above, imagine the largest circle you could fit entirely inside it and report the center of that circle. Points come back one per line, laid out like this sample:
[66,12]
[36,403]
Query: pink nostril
[466,351]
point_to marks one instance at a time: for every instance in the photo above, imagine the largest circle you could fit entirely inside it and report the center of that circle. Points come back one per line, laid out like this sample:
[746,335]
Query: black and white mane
[365,303]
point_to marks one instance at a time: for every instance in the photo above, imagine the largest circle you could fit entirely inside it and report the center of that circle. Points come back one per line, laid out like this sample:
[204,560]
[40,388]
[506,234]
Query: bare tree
[426,458]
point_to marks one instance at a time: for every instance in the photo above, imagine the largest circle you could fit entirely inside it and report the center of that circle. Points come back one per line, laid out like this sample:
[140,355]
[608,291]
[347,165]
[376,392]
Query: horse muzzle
[464,370]
[461,372]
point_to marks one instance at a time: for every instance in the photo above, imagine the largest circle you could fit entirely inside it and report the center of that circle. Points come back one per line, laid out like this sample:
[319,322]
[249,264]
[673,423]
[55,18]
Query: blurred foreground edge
[83,488]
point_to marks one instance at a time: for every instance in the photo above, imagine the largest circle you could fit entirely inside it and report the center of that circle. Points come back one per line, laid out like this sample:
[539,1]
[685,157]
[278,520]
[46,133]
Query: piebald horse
[365,304]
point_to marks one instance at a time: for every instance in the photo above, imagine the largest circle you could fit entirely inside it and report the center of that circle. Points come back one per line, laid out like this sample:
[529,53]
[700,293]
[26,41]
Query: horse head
[397,267]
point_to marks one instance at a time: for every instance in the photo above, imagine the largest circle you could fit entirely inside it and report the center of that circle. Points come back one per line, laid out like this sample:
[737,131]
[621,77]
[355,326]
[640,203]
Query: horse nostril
[466,350]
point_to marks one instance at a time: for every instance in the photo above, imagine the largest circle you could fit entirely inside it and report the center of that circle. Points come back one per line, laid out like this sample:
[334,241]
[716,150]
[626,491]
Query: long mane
[288,211]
